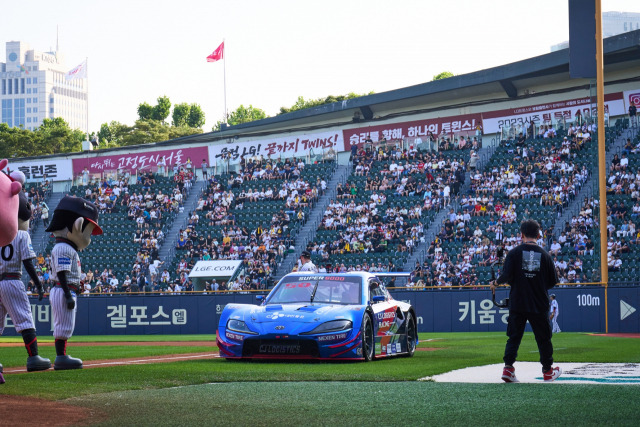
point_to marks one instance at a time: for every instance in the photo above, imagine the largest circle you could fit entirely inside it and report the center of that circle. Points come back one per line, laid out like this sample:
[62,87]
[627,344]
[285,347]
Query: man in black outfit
[530,272]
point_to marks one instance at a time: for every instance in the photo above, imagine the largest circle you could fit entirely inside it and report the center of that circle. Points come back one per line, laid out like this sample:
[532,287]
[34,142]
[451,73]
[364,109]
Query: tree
[145,132]
[196,117]
[442,75]
[112,134]
[180,114]
[301,103]
[57,137]
[162,109]
[242,115]
[18,142]
[145,111]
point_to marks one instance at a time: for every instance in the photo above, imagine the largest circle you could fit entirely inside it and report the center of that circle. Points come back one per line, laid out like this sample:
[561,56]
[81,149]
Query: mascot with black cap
[74,221]
[13,298]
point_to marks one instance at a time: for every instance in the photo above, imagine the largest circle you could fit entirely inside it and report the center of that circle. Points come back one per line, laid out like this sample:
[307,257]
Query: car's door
[385,319]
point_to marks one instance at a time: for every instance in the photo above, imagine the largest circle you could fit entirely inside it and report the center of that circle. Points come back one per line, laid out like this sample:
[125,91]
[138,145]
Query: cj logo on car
[279,327]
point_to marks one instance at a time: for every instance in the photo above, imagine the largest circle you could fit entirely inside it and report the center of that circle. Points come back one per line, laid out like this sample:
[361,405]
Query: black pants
[541,326]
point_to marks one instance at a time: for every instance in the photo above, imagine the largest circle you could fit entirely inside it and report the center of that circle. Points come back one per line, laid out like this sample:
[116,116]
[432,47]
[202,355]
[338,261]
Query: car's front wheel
[412,335]
[368,340]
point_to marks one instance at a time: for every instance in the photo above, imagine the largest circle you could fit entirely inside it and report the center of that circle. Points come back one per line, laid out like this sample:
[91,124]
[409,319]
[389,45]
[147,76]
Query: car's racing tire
[412,335]
[368,338]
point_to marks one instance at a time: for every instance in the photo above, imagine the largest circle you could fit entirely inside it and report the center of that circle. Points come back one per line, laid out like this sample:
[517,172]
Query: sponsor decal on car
[386,315]
[332,337]
[279,349]
[233,336]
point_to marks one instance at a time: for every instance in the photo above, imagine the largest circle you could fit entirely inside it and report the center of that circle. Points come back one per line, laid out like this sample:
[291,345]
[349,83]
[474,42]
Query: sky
[277,50]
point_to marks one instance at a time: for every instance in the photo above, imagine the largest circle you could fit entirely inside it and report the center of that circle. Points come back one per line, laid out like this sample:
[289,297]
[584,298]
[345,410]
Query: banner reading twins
[279,147]
[142,161]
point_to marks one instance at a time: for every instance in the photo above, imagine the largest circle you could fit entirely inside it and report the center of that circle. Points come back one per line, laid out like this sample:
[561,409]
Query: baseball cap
[80,207]
[305,254]
[553,295]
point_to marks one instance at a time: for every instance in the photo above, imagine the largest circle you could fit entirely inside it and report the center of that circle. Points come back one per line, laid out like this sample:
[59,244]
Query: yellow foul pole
[602,167]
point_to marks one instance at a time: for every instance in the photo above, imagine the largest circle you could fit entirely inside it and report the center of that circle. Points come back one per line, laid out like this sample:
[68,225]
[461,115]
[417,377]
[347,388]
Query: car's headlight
[239,326]
[332,326]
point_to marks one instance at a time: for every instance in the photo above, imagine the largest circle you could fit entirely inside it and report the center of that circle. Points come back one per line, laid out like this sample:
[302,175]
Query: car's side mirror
[378,298]
[260,298]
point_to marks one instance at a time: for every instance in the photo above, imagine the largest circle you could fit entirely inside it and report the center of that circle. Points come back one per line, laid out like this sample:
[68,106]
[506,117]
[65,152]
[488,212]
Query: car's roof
[361,274]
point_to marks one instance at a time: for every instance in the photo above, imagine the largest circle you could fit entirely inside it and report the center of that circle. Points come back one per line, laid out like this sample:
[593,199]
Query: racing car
[337,316]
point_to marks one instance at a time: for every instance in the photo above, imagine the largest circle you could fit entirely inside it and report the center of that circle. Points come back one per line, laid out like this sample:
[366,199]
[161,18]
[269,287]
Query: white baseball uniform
[64,258]
[555,311]
[13,297]
[308,266]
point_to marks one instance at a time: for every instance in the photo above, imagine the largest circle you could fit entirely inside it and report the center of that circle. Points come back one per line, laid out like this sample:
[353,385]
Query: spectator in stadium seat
[473,161]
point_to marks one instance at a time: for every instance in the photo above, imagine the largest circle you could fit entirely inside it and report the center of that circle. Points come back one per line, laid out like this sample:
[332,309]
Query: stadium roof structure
[498,84]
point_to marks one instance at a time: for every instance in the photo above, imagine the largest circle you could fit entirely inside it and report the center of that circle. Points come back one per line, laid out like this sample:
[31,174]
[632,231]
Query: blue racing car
[338,316]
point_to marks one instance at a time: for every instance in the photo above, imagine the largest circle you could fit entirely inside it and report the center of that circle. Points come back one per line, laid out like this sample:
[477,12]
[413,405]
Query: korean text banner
[581,310]
[38,171]
[494,121]
[415,129]
[275,148]
[142,161]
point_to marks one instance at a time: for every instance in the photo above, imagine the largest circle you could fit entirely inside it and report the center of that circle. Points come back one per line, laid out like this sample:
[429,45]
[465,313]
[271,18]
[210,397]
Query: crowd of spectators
[259,247]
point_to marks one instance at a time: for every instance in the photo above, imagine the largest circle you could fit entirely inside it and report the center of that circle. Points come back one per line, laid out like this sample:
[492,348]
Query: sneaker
[509,375]
[552,374]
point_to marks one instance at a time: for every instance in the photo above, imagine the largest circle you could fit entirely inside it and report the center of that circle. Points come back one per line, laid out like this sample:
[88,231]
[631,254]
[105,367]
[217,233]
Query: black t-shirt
[530,272]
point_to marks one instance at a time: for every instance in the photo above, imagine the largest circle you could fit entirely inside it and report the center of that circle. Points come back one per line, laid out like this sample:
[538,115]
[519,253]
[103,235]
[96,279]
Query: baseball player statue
[74,221]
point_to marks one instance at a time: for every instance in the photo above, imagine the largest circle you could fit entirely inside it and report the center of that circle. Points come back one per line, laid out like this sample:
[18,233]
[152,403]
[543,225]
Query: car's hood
[302,313]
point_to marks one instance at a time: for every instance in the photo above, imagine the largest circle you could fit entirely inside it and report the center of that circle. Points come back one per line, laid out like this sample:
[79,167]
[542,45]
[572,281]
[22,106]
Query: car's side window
[375,289]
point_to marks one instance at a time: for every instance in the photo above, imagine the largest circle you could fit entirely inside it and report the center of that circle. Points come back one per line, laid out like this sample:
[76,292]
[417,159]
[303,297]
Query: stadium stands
[380,214]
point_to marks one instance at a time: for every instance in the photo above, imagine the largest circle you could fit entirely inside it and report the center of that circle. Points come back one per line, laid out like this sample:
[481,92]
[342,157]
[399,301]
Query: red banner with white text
[142,161]
[465,124]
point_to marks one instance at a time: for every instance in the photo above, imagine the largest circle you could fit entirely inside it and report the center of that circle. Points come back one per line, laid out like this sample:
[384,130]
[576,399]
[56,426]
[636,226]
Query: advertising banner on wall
[278,147]
[415,129]
[632,96]
[581,310]
[142,160]
[38,171]
[217,268]
[494,121]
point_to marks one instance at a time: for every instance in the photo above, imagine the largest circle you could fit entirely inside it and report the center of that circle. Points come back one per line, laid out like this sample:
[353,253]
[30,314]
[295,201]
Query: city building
[33,87]
[613,23]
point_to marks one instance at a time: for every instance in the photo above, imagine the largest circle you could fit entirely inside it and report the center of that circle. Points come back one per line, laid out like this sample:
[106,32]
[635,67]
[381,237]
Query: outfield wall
[581,310]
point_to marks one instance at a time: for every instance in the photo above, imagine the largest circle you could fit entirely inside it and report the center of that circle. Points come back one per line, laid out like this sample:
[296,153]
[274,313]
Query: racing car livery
[345,316]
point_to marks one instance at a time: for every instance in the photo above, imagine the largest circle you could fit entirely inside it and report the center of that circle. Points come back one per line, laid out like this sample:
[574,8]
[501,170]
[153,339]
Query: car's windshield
[311,289]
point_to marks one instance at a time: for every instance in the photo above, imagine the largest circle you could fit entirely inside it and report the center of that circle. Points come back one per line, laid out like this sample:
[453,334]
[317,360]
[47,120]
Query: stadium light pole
[602,167]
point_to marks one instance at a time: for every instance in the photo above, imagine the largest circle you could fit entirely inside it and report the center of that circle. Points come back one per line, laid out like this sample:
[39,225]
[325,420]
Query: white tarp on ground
[530,372]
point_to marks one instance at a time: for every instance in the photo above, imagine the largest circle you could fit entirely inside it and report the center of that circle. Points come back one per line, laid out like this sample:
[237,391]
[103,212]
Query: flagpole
[87,89]
[224,66]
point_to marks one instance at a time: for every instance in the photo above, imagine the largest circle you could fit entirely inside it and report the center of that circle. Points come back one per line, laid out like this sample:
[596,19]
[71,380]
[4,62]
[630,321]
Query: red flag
[217,54]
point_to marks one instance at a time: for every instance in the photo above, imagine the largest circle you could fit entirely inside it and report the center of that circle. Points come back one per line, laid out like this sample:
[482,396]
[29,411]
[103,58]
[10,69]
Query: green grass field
[216,391]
